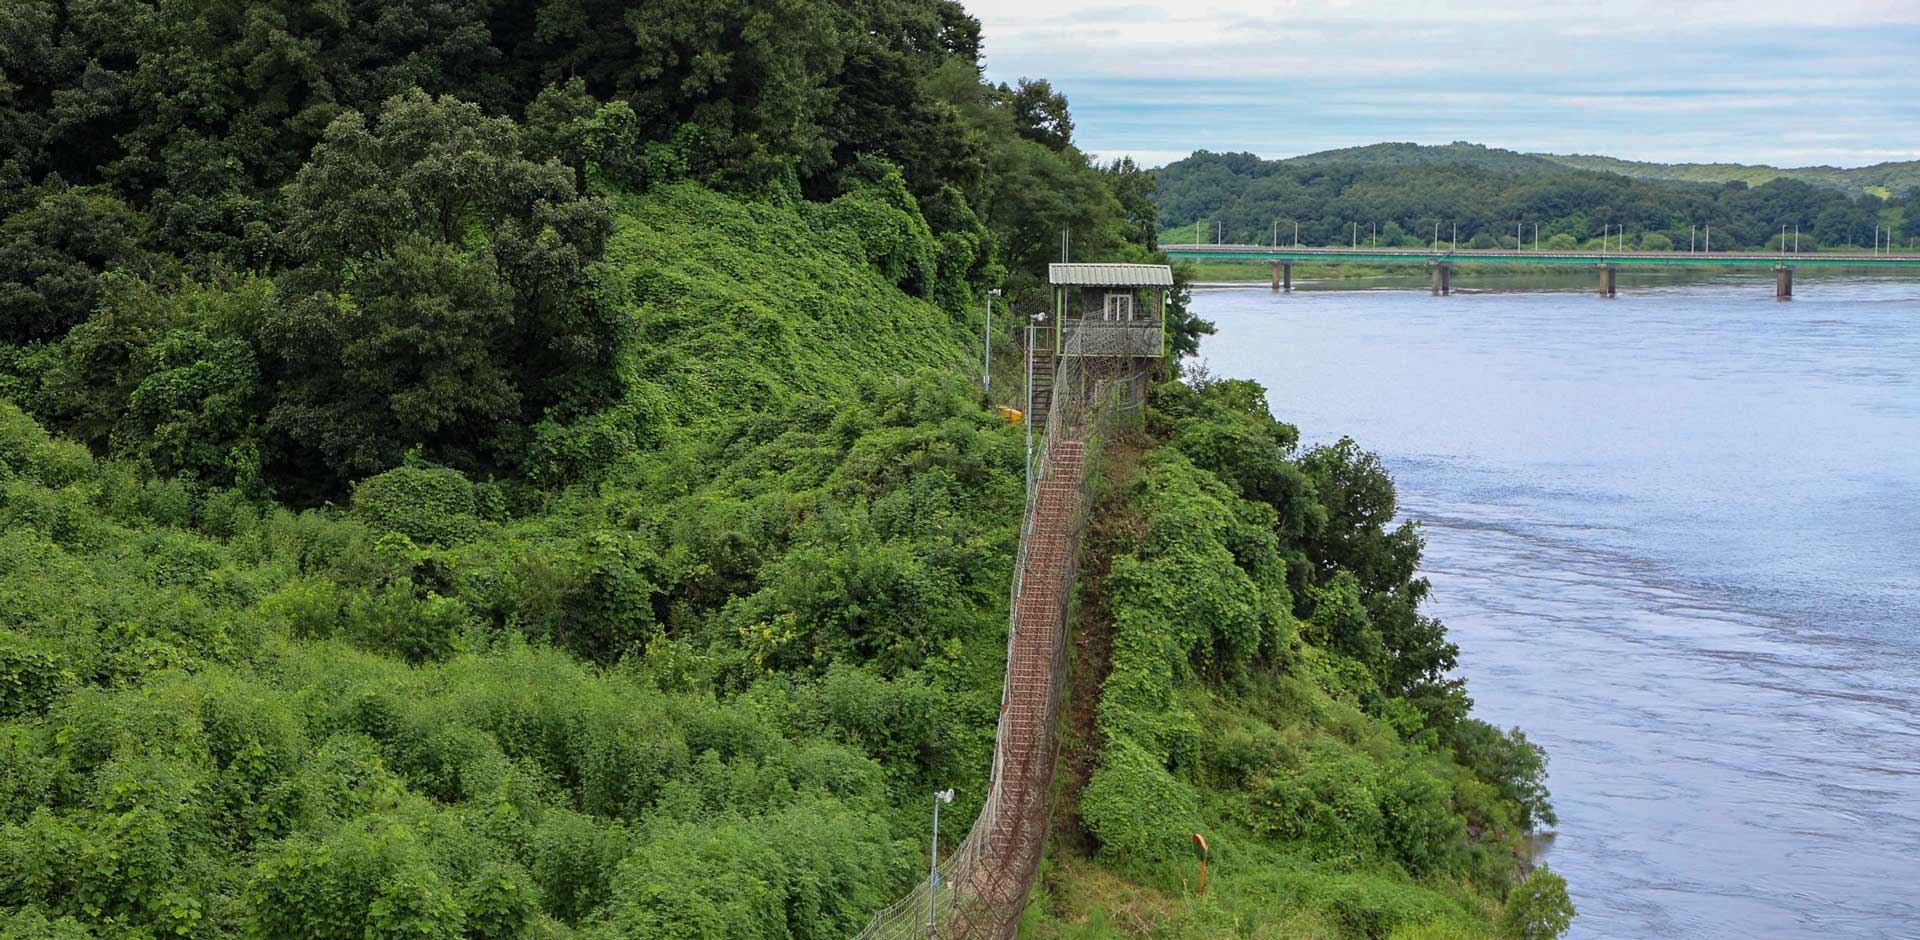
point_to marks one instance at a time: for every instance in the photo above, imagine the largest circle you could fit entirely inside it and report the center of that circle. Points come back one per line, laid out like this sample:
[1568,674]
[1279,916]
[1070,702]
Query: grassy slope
[743,304]
[1327,817]
[219,718]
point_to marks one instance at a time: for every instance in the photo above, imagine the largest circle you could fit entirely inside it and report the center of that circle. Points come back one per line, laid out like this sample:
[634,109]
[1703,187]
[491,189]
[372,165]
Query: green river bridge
[1442,261]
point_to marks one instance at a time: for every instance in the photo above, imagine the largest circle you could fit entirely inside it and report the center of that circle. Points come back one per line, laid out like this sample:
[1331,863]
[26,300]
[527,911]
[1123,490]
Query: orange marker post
[1201,841]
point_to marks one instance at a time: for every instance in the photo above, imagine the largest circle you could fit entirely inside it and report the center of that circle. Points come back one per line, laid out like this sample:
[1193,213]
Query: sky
[1799,83]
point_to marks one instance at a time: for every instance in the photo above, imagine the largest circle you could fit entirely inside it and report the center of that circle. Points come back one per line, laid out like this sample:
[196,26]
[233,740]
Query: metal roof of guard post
[1115,310]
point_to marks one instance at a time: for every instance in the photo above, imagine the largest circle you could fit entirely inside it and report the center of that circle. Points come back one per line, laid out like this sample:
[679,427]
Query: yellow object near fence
[1013,415]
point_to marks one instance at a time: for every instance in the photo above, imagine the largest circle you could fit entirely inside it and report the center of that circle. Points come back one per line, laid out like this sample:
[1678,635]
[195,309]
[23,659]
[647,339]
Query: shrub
[370,879]
[31,676]
[434,505]
[1538,908]
[1137,810]
[28,452]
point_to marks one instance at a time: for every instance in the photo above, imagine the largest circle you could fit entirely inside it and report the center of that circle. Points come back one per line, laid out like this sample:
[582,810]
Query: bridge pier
[1283,275]
[1442,279]
[1783,283]
[1607,272]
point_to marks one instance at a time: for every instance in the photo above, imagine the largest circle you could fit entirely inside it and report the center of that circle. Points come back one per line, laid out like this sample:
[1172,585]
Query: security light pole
[986,353]
[933,862]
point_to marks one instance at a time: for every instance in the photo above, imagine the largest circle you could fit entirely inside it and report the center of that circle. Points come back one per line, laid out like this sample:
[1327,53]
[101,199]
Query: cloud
[1761,81]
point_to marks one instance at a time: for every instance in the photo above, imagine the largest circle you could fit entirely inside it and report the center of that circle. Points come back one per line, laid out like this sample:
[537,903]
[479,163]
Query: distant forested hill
[1880,179]
[1483,193]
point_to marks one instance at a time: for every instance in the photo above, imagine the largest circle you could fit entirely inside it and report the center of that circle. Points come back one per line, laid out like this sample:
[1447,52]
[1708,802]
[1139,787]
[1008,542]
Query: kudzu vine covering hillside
[516,469]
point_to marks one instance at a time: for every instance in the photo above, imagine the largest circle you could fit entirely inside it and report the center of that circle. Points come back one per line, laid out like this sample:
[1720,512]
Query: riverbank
[1728,700]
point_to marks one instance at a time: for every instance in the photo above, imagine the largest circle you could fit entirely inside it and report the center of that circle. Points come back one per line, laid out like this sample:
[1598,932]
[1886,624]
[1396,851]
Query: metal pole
[1276,233]
[933,861]
[1436,236]
[986,355]
[1027,416]
[1708,248]
[1536,236]
[1374,228]
[1456,237]
[1296,233]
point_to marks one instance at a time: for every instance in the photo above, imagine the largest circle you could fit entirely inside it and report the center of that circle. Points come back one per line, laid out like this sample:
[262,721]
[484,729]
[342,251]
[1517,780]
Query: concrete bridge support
[1442,279]
[1783,283]
[1607,273]
[1283,275]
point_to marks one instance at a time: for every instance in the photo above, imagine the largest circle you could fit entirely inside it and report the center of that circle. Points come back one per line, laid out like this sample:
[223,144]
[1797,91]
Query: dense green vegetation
[1273,686]
[1484,194]
[515,469]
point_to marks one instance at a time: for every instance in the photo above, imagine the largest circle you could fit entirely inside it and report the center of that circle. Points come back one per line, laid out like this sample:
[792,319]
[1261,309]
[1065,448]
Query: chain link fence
[979,891]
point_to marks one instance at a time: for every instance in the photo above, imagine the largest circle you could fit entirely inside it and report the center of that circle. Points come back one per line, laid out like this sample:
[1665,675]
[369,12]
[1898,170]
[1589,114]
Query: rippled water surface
[1677,537]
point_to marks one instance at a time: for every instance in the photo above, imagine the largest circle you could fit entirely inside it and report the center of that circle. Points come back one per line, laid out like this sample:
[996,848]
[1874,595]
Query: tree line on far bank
[1429,193]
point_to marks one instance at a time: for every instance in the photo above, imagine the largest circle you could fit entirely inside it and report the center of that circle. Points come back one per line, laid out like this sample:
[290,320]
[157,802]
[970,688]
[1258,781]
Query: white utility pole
[986,353]
[933,864]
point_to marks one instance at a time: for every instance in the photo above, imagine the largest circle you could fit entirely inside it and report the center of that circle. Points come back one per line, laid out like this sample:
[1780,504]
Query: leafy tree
[404,328]
[52,256]
[1040,113]
[1134,187]
[406,352]
[1538,909]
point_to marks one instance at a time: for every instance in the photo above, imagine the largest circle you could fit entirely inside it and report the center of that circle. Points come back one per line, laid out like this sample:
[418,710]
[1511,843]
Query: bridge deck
[1545,257]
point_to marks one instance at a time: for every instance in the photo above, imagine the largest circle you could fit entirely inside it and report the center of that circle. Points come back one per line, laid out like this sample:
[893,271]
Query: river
[1676,535]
